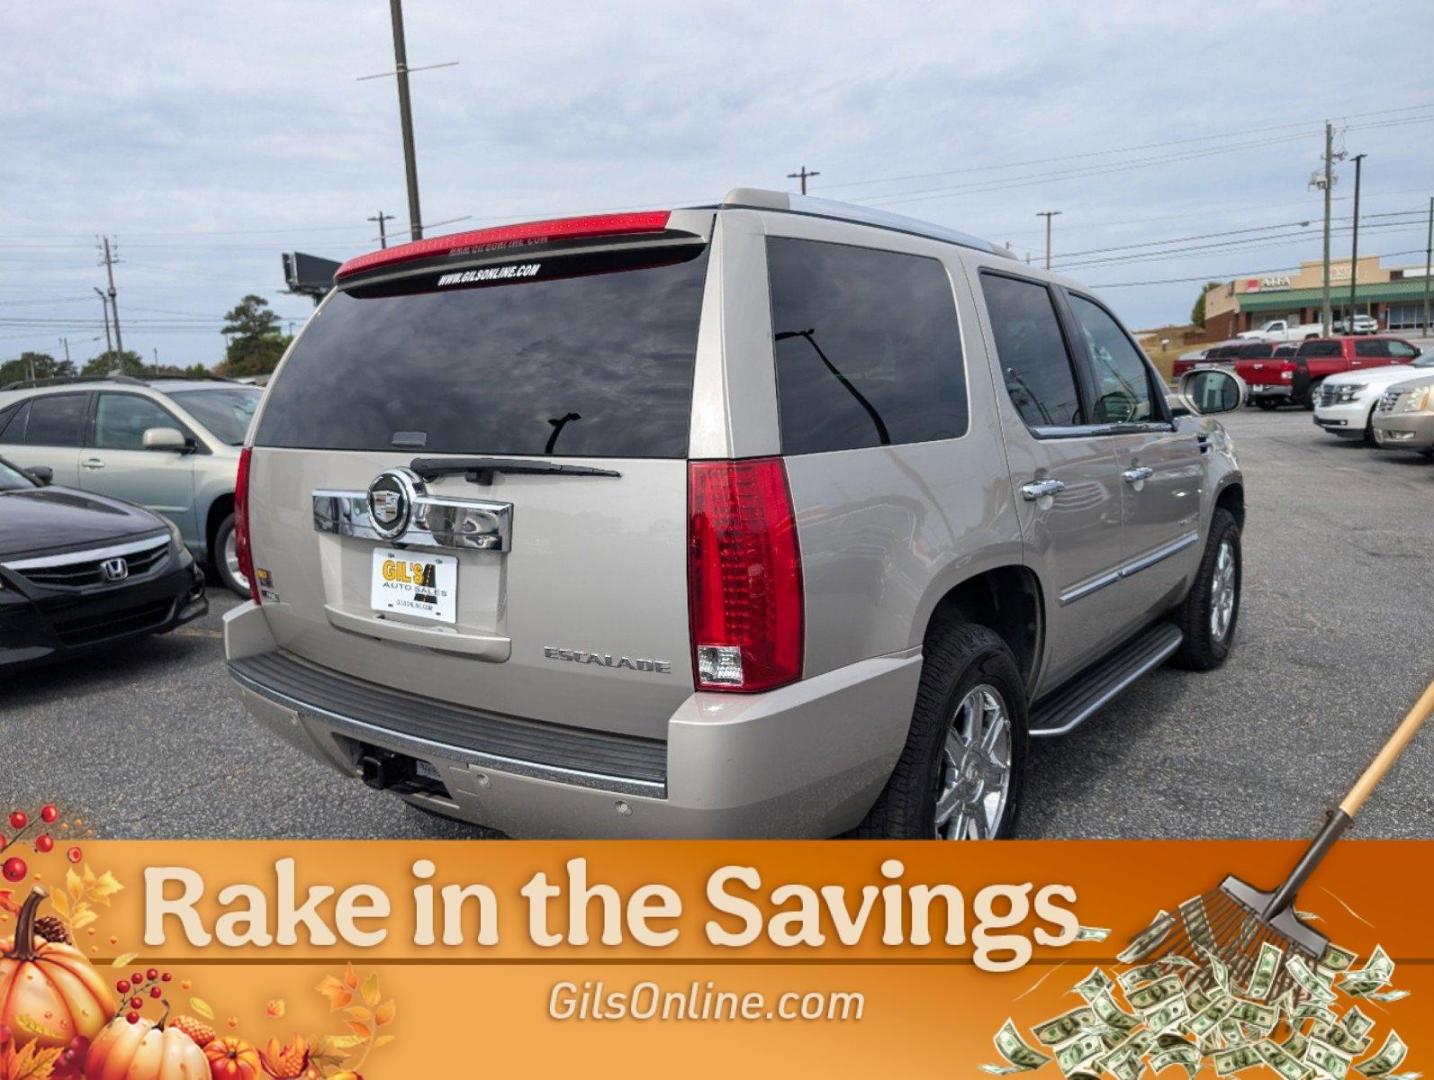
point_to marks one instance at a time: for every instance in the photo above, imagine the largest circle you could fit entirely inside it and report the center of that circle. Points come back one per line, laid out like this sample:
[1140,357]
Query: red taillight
[241,524]
[532,232]
[744,576]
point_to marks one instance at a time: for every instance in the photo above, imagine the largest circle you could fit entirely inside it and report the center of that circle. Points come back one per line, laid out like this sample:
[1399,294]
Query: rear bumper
[42,625]
[807,760]
[1270,390]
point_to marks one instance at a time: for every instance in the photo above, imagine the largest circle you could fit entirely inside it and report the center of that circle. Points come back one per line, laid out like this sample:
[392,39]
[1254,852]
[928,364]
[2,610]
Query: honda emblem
[114,570]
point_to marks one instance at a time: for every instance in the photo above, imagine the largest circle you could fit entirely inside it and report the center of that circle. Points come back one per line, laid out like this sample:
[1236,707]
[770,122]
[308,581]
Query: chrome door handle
[1039,489]
[1136,475]
[92,463]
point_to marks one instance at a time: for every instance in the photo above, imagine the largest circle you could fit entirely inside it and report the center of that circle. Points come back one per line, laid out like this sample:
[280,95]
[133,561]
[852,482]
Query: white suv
[1345,404]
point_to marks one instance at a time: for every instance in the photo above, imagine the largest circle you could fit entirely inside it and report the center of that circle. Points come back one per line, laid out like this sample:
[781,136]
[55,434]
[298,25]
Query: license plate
[413,583]
[1259,388]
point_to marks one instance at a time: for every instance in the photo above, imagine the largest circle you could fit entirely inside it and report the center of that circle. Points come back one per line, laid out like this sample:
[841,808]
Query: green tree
[255,342]
[111,362]
[35,365]
[1197,313]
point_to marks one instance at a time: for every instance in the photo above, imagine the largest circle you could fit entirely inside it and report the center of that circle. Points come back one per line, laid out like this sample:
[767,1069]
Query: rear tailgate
[554,596]
[1265,372]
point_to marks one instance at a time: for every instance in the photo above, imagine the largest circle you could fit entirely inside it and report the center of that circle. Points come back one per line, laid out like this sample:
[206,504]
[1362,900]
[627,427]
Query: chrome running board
[1080,698]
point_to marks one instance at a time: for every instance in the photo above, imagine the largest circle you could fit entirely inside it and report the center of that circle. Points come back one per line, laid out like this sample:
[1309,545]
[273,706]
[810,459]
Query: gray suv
[170,445]
[776,517]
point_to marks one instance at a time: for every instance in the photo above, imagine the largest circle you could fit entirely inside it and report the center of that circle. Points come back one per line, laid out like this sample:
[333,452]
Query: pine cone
[52,929]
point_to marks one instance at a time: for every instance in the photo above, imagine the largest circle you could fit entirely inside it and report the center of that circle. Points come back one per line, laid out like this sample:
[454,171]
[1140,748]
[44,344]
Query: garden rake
[1231,923]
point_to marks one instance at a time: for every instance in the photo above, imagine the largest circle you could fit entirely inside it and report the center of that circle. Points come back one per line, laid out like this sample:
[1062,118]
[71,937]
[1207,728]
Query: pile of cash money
[1193,1012]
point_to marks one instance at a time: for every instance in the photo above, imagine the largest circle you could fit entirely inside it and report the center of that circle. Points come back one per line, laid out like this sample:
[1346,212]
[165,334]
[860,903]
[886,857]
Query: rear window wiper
[480,470]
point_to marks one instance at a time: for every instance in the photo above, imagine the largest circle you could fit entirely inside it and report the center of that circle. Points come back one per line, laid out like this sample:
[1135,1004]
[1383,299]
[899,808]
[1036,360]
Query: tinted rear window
[1321,348]
[57,420]
[866,345]
[1255,352]
[593,366]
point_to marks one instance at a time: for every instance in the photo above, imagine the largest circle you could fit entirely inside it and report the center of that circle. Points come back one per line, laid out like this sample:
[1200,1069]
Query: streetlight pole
[1354,248]
[1048,214]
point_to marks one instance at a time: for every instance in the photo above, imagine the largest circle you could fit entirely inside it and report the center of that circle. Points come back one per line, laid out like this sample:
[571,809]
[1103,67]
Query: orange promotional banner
[385,959]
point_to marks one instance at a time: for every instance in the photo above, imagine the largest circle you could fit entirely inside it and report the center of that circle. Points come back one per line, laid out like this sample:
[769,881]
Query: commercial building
[1392,295]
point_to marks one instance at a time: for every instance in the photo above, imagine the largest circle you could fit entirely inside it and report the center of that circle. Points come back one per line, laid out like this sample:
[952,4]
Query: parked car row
[168,445]
[1388,407]
[1295,374]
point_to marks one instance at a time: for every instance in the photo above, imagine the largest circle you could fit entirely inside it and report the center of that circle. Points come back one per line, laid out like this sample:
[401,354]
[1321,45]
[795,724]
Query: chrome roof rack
[761,199]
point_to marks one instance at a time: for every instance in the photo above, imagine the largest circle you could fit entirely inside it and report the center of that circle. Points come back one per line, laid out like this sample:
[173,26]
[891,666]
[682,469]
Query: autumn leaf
[32,1062]
[339,1042]
[384,1014]
[383,1040]
[123,960]
[371,993]
[84,915]
[363,1031]
[102,888]
[359,1013]
[74,885]
[338,994]
[276,1008]
[202,1007]
[61,903]
[351,979]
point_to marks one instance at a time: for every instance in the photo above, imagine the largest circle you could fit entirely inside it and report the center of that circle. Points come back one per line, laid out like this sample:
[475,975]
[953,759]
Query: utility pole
[1428,259]
[1354,247]
[381,217]
[66,343]
[155,350]
[105,306]
[405,116]
[802,176]
[1326,184]
[1048,214]
[109,261]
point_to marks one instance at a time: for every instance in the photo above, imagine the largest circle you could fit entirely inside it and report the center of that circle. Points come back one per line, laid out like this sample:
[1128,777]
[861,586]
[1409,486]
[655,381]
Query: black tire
[1312,395]
[230,579]
[1369,439]
[1202,650]
[1267,404]
[958,658]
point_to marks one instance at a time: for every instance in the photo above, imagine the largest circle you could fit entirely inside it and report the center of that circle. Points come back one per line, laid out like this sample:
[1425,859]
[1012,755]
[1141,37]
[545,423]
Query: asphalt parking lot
[1335,641]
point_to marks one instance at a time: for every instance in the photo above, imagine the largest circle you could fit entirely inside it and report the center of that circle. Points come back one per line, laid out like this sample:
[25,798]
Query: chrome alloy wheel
[973,779]
[231,558]
[1222,592]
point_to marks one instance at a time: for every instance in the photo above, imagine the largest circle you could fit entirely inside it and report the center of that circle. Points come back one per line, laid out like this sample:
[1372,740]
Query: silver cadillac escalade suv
[775,517]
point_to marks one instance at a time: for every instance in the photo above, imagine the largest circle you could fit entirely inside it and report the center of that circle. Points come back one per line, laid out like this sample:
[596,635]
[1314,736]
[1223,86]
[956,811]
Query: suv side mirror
[41,474]
[165,438]
[1206,391]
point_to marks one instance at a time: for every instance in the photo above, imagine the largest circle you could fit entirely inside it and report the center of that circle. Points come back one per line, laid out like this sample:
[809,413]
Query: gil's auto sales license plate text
[414,583]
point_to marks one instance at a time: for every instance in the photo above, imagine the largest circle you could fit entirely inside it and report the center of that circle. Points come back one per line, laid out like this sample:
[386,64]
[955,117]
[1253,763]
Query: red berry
[74,854]
[48,813]
[3,841]
[137,978]
[14,868]
[122,986]
[152,974]
[136,1003]
[165,977]
[43,844]
[155,991]
[19,819]
[132,1017]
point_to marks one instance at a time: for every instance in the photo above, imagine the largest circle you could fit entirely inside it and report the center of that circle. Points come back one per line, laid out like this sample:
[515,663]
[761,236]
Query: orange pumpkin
[232,1058]
[144,1051]
[49,994]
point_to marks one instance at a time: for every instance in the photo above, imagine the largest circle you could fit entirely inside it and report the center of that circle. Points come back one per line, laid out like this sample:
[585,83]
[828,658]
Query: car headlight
[1415,400]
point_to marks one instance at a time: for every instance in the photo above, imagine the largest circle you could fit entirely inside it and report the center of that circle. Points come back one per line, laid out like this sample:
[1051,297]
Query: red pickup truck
[1295,380]
[1227,354]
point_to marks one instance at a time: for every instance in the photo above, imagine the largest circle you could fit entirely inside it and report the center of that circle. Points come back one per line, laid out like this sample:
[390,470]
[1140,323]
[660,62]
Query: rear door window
[1321,348]
[57,420]
[1371,348]
[597,365]
[1032,351]
[867,347]
[12,423]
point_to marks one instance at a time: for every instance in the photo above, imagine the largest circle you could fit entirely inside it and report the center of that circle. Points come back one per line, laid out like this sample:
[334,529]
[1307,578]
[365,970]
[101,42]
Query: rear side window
[1321,348]
[12,423]
[867,347]
[1371,348]
[599,365]
[57,420]
[1032,351]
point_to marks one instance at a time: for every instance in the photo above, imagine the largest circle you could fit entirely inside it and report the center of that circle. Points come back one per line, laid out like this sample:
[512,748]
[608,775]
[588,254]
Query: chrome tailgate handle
[1039,489]
[434,521]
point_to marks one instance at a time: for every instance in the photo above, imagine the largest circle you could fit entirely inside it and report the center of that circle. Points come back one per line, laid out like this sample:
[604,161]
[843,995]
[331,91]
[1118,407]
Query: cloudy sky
[207,139]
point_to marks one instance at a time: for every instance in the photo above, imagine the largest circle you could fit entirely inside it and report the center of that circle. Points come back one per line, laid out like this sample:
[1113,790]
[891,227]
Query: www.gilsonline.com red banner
[244,960]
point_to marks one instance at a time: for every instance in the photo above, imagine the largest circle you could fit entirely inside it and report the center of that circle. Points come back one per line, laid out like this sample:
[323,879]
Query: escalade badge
[390,501]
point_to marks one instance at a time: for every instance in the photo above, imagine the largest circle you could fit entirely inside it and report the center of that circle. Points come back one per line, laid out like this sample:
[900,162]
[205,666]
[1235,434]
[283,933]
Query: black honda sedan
[80,571]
